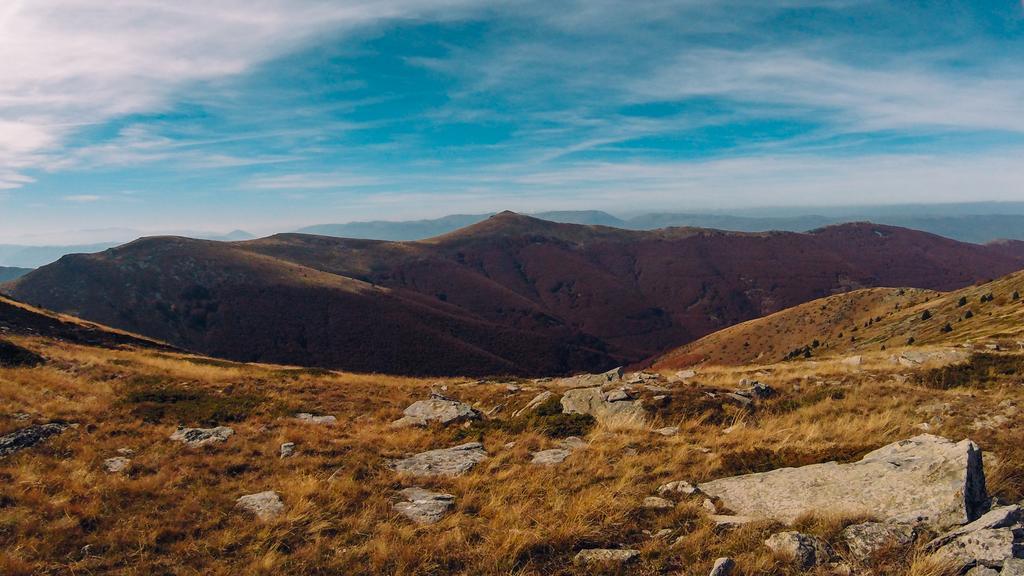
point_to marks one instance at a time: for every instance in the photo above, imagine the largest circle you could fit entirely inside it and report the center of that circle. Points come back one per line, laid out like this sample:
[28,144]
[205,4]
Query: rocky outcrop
[264,505]
[202,436]
[533,404]
[992,541]
[612,405]
[424,506]
[442,462]
[589,380]
[29,437]
[925,478]
[116,464]
[867,539]
[437,409]
[806,551]
[935,358]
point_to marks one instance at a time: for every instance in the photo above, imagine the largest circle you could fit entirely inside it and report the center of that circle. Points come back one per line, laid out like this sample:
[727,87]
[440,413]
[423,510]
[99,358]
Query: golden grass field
[173,511]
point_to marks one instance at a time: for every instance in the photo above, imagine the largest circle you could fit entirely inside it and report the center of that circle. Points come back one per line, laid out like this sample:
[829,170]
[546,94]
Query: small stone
[28,437]
[685,374]
[868,538]
[424,506]
[572,443]
[287,449]
[265,505]
[126,451]
[662,534]
[807,551]
[550,457]
[677,487]
[709,505]
[723,567]
[116,464]
[729,522]
[202,436]
[312,419]
[606,556]
[667,431]
[656,503]
[982,571]
[617,395]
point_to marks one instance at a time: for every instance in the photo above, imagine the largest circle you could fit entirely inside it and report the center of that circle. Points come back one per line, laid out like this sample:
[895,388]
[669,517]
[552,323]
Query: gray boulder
[533,404]
[314,419]
[583,380]
[606,556]
[116,464]
[992,540]
[287,449]
[558,455]
[423,506]
[29,437]
[723,567]
[442,462]
[596,403]
[194,437]
[437,409]
[1013,567]
[806,551]
[677,487]
[658,503]
[264,505]
[923,479]
[867,539]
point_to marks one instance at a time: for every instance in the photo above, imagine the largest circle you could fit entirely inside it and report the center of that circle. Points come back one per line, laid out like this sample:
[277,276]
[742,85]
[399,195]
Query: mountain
[866,321]
[423,229]
[17,318]
[18,256]
[511,294]
[7,274]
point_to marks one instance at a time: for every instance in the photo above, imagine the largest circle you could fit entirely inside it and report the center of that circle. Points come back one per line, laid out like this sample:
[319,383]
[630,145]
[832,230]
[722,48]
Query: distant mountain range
[509,295]
[966,225]
[27,256]
[7,274]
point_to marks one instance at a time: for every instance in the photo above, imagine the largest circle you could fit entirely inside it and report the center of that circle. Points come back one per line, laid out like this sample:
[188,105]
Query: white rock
[656,503]
[533,404]
[287,449]
[667,431]
[437,409]
[807,551]
[868,538]
[424,506]
[925,478]
[202,436]
[116,464]
[606,556]
[265,505]
[677,487]
[442,462]
[594,402]
[723,567]
[312,419]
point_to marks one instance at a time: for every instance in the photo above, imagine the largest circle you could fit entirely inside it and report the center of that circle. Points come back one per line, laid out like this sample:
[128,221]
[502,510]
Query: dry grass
[173,512]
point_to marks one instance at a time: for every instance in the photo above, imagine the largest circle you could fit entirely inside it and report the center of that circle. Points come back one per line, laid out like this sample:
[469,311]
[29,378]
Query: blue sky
[271,114]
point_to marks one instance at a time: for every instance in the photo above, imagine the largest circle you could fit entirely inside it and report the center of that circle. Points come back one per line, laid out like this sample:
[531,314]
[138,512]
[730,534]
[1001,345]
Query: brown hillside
[990,313]
[511,294]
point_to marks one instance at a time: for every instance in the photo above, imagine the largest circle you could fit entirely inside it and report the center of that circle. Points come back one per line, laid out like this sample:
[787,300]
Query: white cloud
[69,63]
[84,198]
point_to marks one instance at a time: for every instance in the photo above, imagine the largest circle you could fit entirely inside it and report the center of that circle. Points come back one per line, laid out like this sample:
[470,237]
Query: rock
[754,390]
[126,451]
[202,436]
[924,478]
[739,399]
[936,358]
[662,534]
[981,571]
[617,395]
[1002,517]
[550,457]
[423,506]
[723,567]
[807,551]
[852,361]
[533,404]
[29,437]
[116,464]
[437,409]
[683,375]
[606,556]
[594,402]
[1012,567]
[14,356]
[558,455]
[265,505]
[587,380]
[442,462]
[867,539]
[287,449]
[656,503]
[311,419]
[709,505]
[729,522]
[677,487]
[987,547]
[667,431]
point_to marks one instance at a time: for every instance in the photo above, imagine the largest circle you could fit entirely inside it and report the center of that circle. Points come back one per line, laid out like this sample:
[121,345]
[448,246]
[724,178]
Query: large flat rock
[442,462]
[924,479]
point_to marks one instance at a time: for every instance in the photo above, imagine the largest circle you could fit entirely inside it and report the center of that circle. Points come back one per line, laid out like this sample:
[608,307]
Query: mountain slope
[7,274]
[865,321]
[21,319]
[510,294]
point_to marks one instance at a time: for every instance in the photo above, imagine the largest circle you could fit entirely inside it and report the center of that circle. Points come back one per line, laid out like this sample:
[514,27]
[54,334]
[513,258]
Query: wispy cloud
[84,198]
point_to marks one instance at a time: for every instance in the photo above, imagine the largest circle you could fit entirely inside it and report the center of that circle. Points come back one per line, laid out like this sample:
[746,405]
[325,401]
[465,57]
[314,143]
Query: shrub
[947,328]
[926,315]
[963,301]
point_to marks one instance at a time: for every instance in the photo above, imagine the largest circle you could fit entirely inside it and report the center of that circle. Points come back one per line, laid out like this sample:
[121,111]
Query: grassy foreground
[173,511]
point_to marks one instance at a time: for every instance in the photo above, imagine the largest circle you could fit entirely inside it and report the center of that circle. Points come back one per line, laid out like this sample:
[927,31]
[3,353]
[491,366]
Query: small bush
[926,315]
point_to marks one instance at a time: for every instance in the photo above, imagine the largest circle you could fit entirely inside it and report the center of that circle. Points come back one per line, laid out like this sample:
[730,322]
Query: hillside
[511,294]
[284,470]
[990,313]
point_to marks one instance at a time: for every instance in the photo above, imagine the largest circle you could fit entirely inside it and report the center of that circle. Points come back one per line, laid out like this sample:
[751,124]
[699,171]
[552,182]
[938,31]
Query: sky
[268,115]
